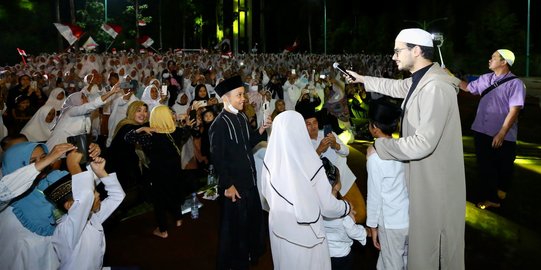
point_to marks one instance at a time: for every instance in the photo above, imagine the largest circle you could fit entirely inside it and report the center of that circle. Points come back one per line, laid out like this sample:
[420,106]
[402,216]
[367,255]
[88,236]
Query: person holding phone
[25,87]
[328,145]
[152,95]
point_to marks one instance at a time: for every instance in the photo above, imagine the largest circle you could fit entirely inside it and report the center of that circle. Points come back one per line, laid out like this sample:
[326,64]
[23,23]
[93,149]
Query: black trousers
[342,263]
[495,166]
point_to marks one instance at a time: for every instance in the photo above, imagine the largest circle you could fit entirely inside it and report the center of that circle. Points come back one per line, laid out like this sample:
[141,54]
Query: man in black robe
[231,138]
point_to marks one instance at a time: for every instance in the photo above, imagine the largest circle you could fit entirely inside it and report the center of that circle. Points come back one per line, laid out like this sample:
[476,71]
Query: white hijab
[36,129]
[52,101]
[290,165]
[147,98]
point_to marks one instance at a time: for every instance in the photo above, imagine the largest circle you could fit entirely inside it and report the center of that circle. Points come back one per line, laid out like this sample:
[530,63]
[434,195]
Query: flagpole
[153,49]
[110,44]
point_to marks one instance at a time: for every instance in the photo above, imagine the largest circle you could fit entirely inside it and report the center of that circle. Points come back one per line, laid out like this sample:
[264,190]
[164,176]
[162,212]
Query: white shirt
[387,203]
[339,159]
[340,235]
[78,240]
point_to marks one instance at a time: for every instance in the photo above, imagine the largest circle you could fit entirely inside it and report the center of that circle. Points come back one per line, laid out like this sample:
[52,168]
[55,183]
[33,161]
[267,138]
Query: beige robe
[432,146]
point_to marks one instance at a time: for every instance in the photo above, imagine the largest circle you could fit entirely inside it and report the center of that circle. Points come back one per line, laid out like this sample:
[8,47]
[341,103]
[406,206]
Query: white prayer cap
[508,55]
[415,36]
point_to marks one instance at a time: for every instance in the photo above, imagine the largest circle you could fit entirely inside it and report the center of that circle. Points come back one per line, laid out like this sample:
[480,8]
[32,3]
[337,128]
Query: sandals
[488,204]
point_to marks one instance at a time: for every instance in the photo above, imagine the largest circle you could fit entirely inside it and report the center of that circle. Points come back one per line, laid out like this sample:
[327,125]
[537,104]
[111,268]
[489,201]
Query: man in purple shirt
[495,126]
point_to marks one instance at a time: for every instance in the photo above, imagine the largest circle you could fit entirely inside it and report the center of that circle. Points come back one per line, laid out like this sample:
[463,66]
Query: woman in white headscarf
[152,96]
[56,98]
[296,188]
[75,116]
[38,128]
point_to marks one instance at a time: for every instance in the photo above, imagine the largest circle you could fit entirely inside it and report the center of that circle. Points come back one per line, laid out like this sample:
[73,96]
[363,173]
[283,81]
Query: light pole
[324,26]
[105,10]
[424,24]
[528,42]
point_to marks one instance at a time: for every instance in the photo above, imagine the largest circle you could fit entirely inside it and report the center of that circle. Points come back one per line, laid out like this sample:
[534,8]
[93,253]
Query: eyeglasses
[397,51]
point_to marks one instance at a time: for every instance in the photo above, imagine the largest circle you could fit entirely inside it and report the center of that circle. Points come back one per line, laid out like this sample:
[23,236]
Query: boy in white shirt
[387,202]
[79,240]
[340,234]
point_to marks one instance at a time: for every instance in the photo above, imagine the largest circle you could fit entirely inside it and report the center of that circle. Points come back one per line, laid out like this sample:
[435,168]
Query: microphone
[343,71]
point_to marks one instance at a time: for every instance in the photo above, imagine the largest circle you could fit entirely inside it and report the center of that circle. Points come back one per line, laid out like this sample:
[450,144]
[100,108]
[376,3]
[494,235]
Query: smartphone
[322,76]
[164,90]
[33,84]
[293,71]
[125,85]
[327,129]
[82,143]
[212,95]
[193,114]
[266,111]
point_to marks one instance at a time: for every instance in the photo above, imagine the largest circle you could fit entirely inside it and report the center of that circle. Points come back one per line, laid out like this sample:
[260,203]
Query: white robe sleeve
[374,199]
[354,231]
[16,183]
[115,195]
[73,223]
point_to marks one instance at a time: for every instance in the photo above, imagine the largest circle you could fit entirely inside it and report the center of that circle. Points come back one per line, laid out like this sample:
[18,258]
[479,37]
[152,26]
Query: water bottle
[210,177]
[195,206]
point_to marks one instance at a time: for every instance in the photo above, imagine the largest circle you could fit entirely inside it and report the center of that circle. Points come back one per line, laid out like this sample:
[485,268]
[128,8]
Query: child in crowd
[387,203]
[79,240]
[341,232]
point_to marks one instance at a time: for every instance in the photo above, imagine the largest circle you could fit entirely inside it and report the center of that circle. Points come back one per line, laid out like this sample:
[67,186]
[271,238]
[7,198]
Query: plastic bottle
[195,206]
[210,177]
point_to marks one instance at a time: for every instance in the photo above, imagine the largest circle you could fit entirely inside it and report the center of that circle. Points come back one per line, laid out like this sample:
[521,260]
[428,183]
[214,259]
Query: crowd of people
[148,124]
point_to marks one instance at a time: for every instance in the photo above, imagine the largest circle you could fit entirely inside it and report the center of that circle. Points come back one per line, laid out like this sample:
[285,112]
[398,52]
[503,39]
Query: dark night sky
[351,25]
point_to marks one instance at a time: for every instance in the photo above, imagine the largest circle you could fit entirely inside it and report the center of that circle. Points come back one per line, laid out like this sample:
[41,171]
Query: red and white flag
[146,41]
[111,29]
[21,52]
[70,32]
[141,23]
[90,44]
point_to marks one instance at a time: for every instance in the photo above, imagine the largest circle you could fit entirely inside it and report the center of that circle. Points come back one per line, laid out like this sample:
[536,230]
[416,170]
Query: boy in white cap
[431,144]
[495,126]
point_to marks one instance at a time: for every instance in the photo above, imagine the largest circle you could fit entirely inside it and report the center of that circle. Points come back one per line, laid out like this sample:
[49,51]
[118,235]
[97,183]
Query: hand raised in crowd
[98,166]
[332,141]
[72,161]
[324,145]
[232,193]
[94,150]
[56,153]
[266,124]
[358,77]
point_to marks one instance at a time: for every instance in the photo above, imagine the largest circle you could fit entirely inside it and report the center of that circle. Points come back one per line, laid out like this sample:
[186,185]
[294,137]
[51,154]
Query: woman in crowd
[298,193]
[56,98]
[38,129]
[162,142]
[121,155]
[152,96]
[74,118]
[20,114]
[280,106]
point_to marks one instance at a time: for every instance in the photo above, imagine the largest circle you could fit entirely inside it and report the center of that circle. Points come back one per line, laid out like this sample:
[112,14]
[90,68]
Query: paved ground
[507,238]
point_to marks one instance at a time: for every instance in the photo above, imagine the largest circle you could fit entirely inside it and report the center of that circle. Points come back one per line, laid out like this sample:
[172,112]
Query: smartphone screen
[164,90]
